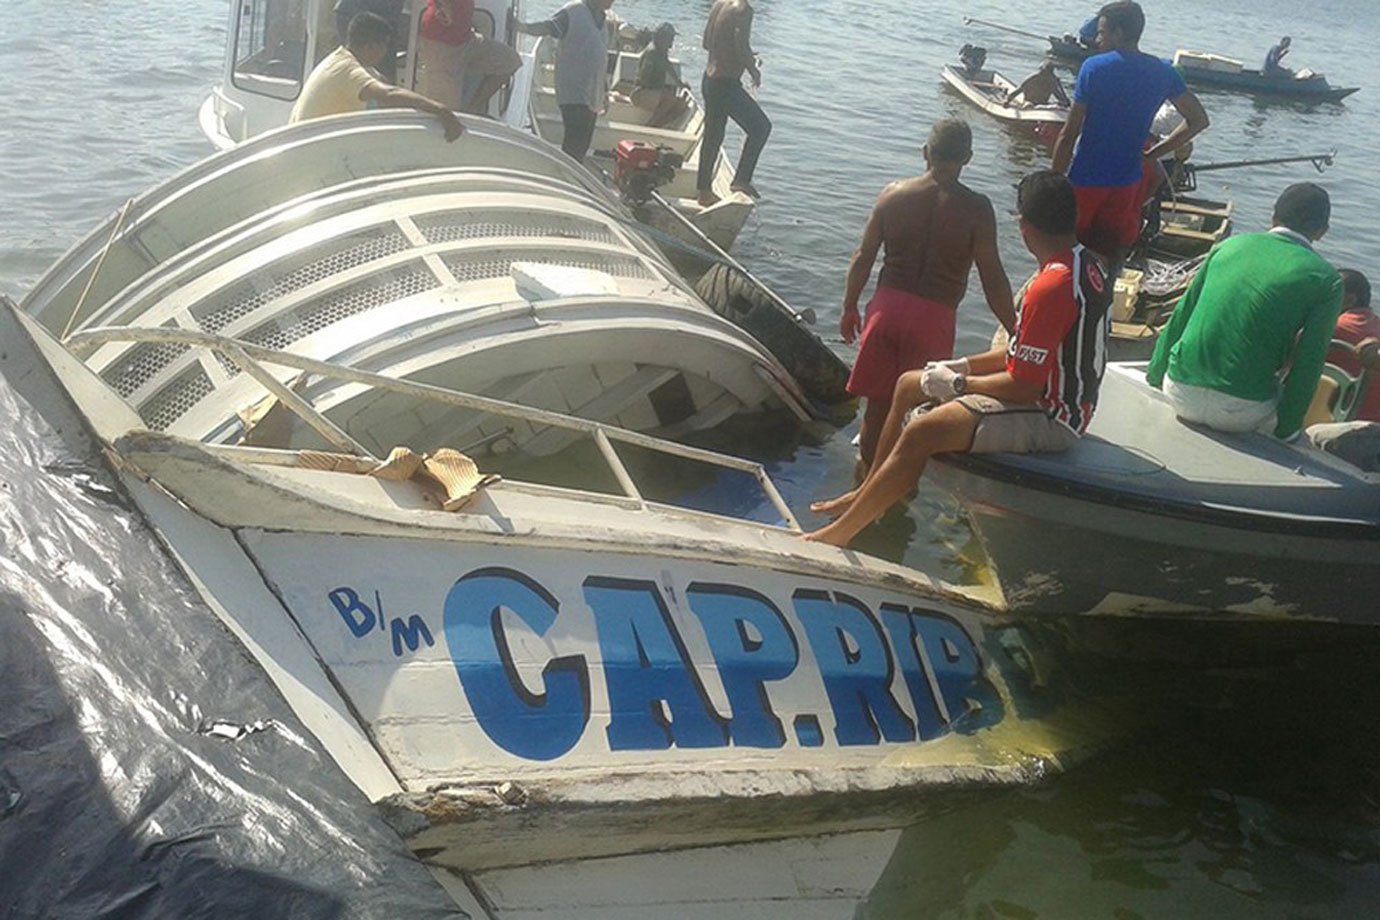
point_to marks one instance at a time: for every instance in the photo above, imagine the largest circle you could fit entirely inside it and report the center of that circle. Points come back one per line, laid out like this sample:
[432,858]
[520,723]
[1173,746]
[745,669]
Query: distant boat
[1153,514]
[991,92]
[1219,72]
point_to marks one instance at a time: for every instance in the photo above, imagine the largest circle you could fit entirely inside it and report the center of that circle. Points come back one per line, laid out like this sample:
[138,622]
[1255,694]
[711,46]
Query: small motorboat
[1219,72]
[992,92]
[1151,515]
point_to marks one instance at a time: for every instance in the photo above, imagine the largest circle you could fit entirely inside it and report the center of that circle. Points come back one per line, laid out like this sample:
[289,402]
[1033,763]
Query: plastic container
[1125,293]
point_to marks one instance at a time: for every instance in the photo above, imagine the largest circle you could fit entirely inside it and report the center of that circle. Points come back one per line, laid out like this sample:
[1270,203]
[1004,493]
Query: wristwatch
[959,383]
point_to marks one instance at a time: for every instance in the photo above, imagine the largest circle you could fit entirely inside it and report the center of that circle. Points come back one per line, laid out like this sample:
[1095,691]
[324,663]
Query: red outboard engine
[639,169]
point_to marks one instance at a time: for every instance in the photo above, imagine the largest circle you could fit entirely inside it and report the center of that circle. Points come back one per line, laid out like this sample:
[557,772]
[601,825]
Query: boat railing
[251,358]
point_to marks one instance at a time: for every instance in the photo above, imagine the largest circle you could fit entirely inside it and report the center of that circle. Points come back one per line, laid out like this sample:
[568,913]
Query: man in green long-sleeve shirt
[1262,305]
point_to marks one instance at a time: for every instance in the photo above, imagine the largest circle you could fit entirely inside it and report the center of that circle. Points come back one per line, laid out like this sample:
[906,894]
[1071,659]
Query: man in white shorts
[1035,396]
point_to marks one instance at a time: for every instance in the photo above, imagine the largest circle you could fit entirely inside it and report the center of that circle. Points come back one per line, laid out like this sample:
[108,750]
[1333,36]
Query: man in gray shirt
[583,28]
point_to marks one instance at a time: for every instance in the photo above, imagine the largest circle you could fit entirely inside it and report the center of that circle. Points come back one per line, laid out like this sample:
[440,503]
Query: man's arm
[860,270]
[1068,137]
[996,287]
[1195,122]
[555,27]
[743,42]
[1174,329]
[1309,354]
[1003,386]
[395,97]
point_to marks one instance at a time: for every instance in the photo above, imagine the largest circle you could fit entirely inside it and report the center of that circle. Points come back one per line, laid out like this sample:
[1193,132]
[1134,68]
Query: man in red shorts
[1037,395]
[1115,100]
[931,229]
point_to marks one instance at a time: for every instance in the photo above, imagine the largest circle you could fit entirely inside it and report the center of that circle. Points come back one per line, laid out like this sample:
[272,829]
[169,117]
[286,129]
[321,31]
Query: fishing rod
[973,20]
[1318,160]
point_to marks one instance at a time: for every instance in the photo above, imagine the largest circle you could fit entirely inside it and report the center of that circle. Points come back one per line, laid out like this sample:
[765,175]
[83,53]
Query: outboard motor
[972,57]
[640,169]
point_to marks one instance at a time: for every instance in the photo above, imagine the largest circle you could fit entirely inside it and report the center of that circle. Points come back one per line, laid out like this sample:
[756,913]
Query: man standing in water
[1115,100]
[930,229]
[583,28]
[1038,395]
[728,39]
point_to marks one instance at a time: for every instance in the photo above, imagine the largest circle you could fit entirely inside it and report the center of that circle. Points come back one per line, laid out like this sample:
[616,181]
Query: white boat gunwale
[1014,114]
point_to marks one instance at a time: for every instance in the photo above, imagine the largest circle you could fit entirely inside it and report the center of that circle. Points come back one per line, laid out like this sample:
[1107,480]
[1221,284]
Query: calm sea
[1230,812]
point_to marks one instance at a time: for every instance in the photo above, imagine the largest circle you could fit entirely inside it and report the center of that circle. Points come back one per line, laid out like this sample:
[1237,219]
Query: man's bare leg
[947,429]
[905,397]
[479,103]
[874,420]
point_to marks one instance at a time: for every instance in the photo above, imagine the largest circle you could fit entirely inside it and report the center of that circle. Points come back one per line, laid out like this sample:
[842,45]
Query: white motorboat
[1151,515]
[992,92]
[495,265]
[273,44]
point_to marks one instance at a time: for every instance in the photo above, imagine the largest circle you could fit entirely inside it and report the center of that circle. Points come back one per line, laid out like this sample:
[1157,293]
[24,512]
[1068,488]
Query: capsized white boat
[556,675]
[1149,514]
[494,264]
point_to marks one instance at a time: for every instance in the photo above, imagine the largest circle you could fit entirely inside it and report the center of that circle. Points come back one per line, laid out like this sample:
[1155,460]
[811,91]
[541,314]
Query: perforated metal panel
[485,266]
[170,403]
[452,226]
[316,315]
[289,275]
[140,364]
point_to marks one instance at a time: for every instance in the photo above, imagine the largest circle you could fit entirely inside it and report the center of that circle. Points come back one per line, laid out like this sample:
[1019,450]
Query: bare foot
[834,506]
[708,199]
[829,535]
[747,189]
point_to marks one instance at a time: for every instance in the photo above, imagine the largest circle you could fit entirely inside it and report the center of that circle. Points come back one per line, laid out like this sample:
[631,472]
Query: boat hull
[987,90]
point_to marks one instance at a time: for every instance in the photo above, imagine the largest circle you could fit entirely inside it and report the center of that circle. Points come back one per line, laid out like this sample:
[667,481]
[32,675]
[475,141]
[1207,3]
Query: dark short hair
[951,141]
[1304,207]
[1126,17]
[368,29]
[1046,201]
[1357,285]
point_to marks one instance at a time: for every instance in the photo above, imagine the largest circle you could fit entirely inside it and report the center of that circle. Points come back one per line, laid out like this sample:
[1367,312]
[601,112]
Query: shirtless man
[728,39]
[932,229]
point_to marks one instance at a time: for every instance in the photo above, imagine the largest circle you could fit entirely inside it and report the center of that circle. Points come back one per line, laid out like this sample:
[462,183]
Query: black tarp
[123,791]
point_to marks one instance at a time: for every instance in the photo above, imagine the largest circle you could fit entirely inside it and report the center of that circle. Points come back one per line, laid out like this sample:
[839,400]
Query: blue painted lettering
[356,614]
[751,644]
[414,632]
[856,667]
[536,726]
[655,697]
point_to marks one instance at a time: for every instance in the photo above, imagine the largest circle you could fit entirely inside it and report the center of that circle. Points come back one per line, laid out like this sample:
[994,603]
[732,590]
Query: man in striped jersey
[1036,396]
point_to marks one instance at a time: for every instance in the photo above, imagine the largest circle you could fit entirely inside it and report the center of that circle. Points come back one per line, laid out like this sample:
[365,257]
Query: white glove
[937,382]
[957,365]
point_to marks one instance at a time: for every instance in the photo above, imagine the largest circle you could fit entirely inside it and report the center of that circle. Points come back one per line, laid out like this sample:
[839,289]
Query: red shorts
[902,332]
[1108,215]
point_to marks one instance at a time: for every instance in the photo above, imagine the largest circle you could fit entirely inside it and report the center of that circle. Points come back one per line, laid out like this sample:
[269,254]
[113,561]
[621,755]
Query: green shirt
[655,71]
[1262,304]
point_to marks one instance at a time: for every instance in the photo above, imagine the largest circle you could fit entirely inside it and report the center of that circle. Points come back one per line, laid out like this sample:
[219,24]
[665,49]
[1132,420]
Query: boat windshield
[270,46]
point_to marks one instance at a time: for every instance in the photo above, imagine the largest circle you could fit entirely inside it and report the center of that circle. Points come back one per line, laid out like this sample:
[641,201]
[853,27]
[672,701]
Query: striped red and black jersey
[1062,323]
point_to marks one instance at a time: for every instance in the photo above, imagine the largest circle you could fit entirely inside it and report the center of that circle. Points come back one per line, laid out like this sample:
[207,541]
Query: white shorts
[1220,411]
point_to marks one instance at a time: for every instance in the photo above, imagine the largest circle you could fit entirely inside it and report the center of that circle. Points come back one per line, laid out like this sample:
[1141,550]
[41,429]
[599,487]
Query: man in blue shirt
[1274,66]
[1115,100]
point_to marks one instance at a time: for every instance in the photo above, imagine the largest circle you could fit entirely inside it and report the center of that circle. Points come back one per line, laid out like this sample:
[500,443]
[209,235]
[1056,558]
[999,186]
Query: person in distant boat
[1115,100]
[1037,394]
[389,10]
[728,39]
[449,49]
[1040,88]
[345,80]
[1262,306]
[1274,59]
[659,87]
[585,29]
[930,229]
[1357,324]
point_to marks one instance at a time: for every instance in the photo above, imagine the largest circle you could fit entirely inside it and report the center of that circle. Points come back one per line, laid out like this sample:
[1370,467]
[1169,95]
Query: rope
[91,279]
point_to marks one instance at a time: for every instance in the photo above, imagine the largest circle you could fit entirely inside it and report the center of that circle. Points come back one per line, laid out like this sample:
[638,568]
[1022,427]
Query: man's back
[333,87]
[729,21]
[1122,91]
[929,237]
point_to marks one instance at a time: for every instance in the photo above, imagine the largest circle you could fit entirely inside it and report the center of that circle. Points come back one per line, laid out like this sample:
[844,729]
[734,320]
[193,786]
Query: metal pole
[973,20]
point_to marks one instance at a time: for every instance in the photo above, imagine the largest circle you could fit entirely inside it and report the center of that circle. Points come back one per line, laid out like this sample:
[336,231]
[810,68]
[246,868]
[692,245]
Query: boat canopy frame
[251,359]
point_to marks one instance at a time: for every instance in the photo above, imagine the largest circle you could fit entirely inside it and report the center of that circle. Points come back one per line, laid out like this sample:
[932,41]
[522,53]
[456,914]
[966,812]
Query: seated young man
[1036,396]
[658,87]
[1357,324]
[1261,308]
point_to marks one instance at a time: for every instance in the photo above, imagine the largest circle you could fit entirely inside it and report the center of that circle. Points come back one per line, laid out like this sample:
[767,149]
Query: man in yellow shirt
[344,80]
